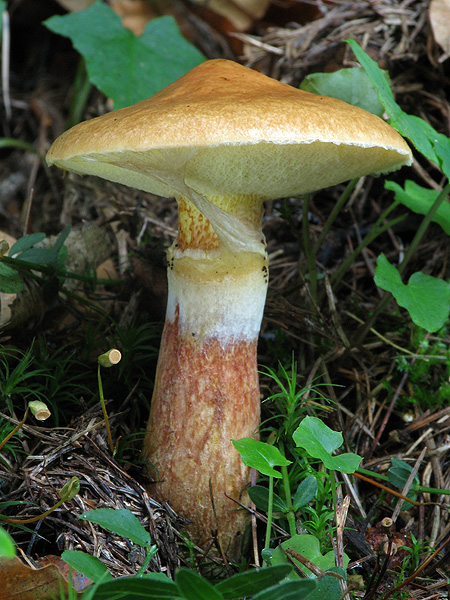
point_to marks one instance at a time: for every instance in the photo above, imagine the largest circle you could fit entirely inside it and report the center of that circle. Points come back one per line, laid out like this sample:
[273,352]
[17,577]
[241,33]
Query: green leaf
[420,133]
[420,200]
[62,237]
[308,546]
[399,474]
[125,67]
[350,85]
[305,492]
[260,496]
[120,521]
[442,148]
[252,581]
[193,586]
[260,456]
[25,243]
[2,8]
[10,280]
[12,143]
[328,586]
[7,547]
[40,256]
[316,437]
[426,298]
[70,489]
[151,586]
[89,565]
[320,442]
[289,590]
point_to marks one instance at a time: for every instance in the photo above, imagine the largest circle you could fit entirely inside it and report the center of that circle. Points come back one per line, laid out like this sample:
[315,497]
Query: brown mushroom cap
[225,128]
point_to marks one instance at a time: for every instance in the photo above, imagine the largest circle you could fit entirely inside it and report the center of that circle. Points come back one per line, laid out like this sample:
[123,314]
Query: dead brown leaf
[21,582]
[439,13]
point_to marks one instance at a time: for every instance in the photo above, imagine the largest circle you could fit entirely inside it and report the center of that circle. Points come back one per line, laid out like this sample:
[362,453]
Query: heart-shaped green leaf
[260,456]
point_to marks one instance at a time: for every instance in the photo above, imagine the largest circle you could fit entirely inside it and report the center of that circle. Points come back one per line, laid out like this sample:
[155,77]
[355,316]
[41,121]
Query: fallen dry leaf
[439,13]
[240,13]
[21,582]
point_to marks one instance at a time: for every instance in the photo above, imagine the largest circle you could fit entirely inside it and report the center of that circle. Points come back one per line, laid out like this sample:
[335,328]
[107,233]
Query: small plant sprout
[263,457]
[108,359]
[221,140]
[38,409]
[66,493]
[321,442]
[7,547]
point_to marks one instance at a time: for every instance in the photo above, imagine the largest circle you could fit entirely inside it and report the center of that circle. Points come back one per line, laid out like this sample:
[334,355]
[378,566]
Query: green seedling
[428,370]
[108,359]
[426,298]
[263,457]
[7,546]
[39,411]
[66,493]
[415,296]
[435,147]
[21,380]
[126,67]
[289,400]
[417,552]
[321,442]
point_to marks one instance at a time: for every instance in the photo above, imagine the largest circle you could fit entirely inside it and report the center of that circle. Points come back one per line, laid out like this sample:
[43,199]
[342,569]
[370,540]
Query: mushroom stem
[206,389]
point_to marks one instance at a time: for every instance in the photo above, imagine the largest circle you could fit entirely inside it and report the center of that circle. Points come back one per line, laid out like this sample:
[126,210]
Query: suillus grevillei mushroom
[221,140]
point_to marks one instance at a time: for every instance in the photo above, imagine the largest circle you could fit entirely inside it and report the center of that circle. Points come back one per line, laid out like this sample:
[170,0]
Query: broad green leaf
[399,474]
[40,256]
[420,200]
[87,564]
[120,521]
[308,546]
[305,492]
[426,298]
[193,586]
[25,243]
[328,586]
[252,581]
[7,547]
[126,67]
[312,434]
[10,280]
[289,590]
[151,586]
[260,456]
[320,442]
[350,85]
[442,148]
[414,128]
[260,496]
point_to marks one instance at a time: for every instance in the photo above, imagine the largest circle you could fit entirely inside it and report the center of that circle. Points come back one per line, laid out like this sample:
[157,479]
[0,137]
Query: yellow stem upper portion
[218,282]
[196,231]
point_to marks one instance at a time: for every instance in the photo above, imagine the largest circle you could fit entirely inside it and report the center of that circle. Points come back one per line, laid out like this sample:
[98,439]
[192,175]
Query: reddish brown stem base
[206,394]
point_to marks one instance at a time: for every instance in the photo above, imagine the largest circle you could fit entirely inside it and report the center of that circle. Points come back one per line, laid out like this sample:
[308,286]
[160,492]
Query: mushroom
[221,140]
